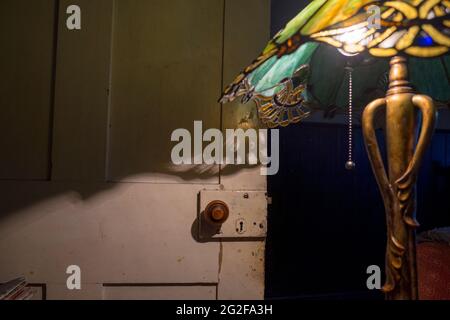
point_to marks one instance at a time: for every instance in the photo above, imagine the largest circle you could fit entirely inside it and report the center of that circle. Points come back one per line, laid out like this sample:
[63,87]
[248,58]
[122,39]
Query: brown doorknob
[217,212]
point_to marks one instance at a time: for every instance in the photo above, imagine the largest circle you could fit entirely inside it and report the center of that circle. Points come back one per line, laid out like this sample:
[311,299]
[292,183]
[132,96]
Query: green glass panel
[274,70]
[329,79]
[294,26]
[261,71]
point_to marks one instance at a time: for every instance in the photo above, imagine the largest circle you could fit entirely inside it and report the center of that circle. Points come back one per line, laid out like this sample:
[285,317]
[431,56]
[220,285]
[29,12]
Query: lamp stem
[398,184]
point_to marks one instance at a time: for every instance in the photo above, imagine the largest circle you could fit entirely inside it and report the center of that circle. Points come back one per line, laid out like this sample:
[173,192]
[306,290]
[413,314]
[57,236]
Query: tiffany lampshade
[366,32]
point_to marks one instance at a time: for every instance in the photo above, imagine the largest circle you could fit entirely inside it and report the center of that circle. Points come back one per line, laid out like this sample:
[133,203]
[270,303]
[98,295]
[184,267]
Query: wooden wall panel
[247,30]
[167,292]
[117,233]
[87,292]
[163,63]
[133,292]
[26,64]
[82,87]
[242,271]
[167,66]
[245,38]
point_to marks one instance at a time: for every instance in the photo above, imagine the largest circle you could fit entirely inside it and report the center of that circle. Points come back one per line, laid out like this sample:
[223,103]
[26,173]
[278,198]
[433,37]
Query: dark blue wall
[283,11]
[327,224]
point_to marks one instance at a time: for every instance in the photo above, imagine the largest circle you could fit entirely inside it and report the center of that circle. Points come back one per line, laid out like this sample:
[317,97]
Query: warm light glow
[350,38]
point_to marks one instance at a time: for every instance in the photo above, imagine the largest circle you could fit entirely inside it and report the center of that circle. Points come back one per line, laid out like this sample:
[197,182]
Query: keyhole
[240,226]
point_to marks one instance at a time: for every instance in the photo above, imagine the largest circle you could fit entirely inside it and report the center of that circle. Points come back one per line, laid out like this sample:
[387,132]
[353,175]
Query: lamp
[279,82]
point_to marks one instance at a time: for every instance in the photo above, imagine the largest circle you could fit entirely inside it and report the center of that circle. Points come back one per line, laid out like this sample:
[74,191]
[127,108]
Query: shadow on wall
[23,193]
[87,120]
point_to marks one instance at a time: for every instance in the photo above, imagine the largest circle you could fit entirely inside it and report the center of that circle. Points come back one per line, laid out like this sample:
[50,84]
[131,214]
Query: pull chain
[350,165]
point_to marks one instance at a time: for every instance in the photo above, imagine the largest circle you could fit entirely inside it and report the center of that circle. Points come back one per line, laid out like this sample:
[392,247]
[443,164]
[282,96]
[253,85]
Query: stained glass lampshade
[300,71]
[294,60]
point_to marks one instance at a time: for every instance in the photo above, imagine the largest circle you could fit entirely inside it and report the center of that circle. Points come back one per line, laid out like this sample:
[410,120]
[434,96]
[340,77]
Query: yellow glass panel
[409,11]
[437,36]
[426,7]
[438,11]
[330,41]
[370,33]
[408,39]
[426,52]
[379,52]
[332,12]
[399,17]
[387,13]
[339,31]
[387,33]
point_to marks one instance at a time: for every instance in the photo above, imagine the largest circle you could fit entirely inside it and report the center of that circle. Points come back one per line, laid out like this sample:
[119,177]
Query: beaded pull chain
[350,165]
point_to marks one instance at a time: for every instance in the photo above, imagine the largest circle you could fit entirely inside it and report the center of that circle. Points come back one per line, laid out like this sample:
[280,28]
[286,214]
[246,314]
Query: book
[16,289]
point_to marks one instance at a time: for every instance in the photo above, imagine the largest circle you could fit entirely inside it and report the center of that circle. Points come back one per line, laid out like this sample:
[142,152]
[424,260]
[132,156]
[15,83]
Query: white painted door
[85,123]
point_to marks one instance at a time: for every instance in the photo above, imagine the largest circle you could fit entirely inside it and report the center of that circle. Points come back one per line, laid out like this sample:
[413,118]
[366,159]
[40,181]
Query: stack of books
[16,289]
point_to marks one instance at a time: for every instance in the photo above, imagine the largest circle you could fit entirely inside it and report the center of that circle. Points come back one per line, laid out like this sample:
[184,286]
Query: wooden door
[85,123]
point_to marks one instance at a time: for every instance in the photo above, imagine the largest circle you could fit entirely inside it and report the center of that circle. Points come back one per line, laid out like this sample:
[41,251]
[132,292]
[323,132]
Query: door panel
[116,233]
[242,271]
[81,97]
[244,38]
[166,74]
[160,292]
[26,64]
[114,205]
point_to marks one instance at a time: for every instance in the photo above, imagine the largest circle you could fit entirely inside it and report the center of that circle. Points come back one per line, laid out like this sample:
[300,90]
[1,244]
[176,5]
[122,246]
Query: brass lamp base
[405,150]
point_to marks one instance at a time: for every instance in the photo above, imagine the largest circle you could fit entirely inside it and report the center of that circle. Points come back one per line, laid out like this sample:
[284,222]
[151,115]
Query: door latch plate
[247,214]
